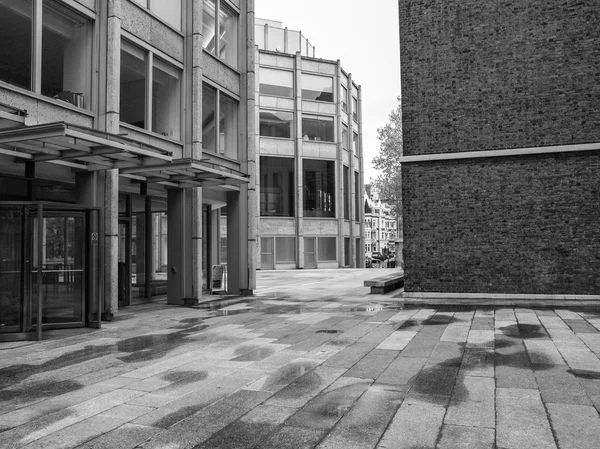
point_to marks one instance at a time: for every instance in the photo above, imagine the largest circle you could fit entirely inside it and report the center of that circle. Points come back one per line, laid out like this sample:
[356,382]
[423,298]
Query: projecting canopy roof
[91,150]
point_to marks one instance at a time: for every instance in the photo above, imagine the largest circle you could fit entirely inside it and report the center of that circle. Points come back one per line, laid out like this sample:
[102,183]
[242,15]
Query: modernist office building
[310,177]
[501,130]
[125,134]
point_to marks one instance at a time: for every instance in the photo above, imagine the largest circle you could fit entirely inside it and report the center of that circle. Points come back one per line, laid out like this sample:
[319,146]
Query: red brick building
[501,121]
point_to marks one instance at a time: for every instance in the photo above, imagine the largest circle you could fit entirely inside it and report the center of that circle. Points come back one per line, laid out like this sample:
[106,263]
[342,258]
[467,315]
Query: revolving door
[45,266]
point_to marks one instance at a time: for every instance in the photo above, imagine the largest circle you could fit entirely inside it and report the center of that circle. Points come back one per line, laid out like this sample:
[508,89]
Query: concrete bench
[387,283]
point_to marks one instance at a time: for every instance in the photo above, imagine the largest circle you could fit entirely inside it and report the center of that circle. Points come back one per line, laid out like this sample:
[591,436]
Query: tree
[388,183]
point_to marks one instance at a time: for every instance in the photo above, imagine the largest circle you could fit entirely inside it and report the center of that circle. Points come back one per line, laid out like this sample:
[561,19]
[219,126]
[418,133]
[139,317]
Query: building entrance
[43,269]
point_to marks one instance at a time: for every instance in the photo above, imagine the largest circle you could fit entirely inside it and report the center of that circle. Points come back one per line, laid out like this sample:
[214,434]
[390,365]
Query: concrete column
[361,183]
[252,148]
[237,235]
[196,227]
[298,160]
[339,166]
[176,246]
[111,186]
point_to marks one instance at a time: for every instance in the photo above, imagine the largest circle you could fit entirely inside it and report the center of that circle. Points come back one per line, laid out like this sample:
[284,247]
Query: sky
[365,40]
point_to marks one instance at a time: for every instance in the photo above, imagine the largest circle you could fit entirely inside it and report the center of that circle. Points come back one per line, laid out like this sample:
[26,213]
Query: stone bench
[387,283]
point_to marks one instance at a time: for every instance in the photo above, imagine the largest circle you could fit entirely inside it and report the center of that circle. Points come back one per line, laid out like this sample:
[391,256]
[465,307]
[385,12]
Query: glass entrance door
[63,268]
[12,276]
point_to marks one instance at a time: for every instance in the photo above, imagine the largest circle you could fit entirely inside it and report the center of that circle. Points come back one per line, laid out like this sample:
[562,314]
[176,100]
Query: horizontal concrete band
[500,153]
[514,296]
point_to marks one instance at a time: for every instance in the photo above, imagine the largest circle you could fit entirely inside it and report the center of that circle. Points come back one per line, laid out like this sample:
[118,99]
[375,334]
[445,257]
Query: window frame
[148,4]
[217,127]
[291,123]
[150,53]
[288,181]
[287,72]
[306,75]
[36,50]
[319,118]
[325,199]
[235,10]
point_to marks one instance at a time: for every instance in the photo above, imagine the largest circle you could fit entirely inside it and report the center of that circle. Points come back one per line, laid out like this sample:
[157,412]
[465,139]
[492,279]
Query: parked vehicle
[376,256]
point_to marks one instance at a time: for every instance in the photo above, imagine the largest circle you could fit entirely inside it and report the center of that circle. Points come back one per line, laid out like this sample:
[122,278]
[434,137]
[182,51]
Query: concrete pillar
[252,148]
[298,161]
[111,242]
[237,236]
[196,228]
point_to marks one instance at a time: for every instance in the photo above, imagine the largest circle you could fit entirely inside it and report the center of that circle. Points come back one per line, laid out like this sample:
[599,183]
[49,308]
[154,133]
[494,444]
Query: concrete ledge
[385,284]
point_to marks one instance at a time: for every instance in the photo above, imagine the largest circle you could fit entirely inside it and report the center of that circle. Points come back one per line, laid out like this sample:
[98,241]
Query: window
[317,127]
[277,186]
[168,10]
[327,248]
[355,109]
[344,136]
[319,188]
[226,127]
[159,107]
[346,193]
[220,37]
[285,250]
[355,143]
[65,70]
[276,82]
[356,196]
[346,251]
[276,124]
[344,99]
[316,87]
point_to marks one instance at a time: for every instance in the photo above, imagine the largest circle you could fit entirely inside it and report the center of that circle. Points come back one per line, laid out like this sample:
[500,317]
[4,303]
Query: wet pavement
[312,360]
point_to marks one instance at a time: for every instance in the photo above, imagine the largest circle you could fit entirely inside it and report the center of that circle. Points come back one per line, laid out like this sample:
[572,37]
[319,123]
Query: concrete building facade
[126,133]
[501,148]
[310,162]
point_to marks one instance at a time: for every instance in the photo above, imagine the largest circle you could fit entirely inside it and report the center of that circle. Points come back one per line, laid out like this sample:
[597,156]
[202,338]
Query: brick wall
[494,74]
[503,225]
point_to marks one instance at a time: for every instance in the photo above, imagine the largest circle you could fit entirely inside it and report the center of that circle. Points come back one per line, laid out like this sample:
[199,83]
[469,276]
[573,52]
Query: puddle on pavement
[182,377]
[286,375]
[525,331]
[254,355]
[328,331]
[40,389]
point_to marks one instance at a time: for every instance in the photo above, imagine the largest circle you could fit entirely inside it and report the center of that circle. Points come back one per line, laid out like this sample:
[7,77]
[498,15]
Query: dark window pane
[346,193]
[276,124]
[319,188]
[277,186]
[133,85]
[317,127]
[209,124]
[15,38]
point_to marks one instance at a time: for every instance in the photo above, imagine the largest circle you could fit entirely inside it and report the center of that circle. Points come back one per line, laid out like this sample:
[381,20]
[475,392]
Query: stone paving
[313,360]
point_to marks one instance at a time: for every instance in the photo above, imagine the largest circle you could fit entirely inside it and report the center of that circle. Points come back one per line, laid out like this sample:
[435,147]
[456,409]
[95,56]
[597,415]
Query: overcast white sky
[364,39]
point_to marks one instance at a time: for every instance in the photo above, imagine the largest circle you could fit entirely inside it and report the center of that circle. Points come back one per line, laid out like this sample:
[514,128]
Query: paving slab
[575,426]
[414,425]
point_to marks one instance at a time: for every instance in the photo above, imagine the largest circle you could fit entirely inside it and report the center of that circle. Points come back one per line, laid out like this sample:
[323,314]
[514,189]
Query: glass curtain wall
[319,188]
[277,186]
[276,124]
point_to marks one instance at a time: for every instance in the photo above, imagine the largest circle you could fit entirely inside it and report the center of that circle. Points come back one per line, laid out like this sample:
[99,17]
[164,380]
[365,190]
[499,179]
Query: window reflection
[209,111]
[276,82]
[316,87]
[276,123]
[166,101]
[133,85]
[228,126]
[277,186]
[319,188]
[317,127]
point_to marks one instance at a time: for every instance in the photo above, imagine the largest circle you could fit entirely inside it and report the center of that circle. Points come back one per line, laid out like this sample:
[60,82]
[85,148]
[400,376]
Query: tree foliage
[388,183]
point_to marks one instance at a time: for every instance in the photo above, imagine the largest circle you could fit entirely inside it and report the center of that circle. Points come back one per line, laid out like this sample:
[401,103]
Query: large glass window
[209,112]
[276,82]
[220,34]
[356,196]
[276,123]
[327,249]
[157,109]
[346,193]
[354,108]
[344,99]
[316,87]
[133,86]
[285,249]
[65,71]
[277,186]
[166,100]
[317,127]
[355,144]
[227,126]
[344,136]
[319,188]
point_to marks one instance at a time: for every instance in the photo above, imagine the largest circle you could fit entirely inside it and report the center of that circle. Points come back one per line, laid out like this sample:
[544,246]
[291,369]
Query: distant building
[310,166]
[381,227]
[501,137]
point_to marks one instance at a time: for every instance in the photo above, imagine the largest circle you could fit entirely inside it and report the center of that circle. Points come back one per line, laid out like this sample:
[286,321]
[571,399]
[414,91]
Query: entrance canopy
[187,173]
[77,147]
[91,150]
